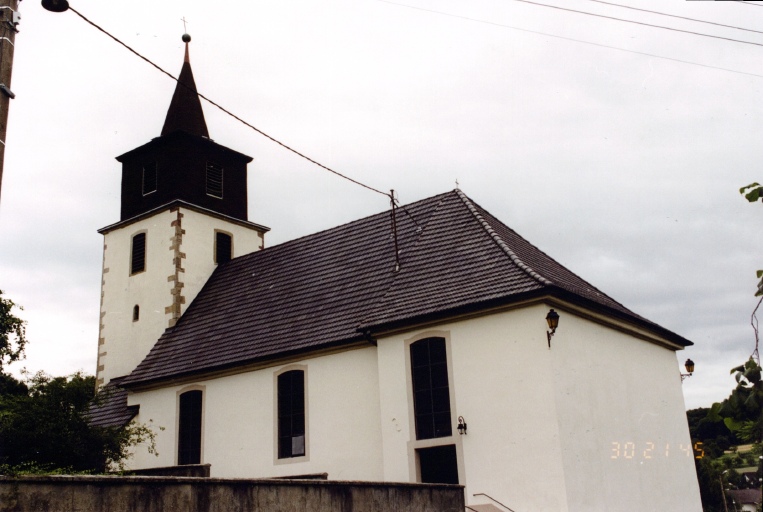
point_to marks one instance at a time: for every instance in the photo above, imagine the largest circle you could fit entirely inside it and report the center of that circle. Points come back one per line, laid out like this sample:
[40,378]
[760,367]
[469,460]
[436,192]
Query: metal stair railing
[495,500]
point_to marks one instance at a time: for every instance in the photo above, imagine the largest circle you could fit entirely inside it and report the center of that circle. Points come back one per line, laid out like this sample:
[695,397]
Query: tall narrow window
[431,395]
[189,428]
[291,414]
[149,178]
[214,180]
[135,313]
[138,255]
[223,247]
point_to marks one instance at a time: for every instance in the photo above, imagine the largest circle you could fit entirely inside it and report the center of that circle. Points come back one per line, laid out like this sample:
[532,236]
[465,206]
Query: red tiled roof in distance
[328,288]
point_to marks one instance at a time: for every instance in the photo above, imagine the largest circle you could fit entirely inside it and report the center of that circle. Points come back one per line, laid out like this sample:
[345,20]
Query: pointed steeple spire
[185,111]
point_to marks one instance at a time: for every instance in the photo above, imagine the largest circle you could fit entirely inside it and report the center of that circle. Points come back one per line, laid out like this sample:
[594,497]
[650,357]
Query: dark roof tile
[110,408]
[328,288]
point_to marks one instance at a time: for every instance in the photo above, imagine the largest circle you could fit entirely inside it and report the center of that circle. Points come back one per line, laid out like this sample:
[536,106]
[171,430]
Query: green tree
[742,411]
[12,333]
[46,428]
[754,192]
[709,485]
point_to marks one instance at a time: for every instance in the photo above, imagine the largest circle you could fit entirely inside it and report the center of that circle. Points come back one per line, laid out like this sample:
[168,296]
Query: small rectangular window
[223,247]
[149,178]
[291,414]
[138,255]
[438,465]
[214,180]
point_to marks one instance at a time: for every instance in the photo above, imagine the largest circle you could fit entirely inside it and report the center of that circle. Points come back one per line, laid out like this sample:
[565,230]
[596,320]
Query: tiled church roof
[329,288]
[110,408]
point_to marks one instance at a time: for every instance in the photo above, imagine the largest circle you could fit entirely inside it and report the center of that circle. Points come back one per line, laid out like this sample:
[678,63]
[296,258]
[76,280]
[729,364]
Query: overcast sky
[624,167]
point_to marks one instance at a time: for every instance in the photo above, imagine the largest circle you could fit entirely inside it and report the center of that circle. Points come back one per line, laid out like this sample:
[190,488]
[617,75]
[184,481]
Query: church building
[452,351]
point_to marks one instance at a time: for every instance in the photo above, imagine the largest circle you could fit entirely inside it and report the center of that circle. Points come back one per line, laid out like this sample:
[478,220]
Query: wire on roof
[547,34]
[676,16]
[393,217]
[231,114]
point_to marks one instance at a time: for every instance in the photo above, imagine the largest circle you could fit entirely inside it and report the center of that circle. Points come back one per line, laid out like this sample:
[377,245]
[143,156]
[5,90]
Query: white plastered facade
[595,423]
[179,258]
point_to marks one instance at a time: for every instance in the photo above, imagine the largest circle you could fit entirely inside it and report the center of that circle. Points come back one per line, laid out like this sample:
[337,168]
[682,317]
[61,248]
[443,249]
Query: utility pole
[9,20]
[723,491]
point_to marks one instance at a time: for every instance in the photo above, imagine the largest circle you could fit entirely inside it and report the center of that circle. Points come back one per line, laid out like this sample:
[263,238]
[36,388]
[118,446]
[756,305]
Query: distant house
[751,479]
[419,354]
[746,500]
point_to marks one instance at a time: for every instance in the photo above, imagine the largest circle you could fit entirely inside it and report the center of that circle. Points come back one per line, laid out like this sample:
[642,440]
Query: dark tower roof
[185,108]
[184,164]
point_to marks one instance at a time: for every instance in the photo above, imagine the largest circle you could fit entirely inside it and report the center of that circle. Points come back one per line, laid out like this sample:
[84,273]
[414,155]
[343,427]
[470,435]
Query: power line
[638,22]
[676,16]
[600,45]
[745,2]
[231,114]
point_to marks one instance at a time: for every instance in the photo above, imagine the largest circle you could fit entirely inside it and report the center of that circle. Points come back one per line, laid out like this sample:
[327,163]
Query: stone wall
[168,494]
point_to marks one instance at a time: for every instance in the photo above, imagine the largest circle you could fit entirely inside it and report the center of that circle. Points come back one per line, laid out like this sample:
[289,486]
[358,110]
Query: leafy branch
[12,333]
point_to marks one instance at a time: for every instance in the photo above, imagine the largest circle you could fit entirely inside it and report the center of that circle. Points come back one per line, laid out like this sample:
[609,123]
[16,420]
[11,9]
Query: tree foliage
[45,427]
[12,333]
[742,411]
[754,192]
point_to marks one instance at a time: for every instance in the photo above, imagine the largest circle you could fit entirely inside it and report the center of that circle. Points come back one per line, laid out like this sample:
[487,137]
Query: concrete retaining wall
[169,494]
[198,470]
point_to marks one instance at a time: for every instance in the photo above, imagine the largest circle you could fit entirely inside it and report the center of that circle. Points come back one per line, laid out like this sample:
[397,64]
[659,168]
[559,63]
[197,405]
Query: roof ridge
[499,241]
[286,243]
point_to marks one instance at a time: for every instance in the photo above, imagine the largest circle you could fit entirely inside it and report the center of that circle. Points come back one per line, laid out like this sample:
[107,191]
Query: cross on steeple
[185,28]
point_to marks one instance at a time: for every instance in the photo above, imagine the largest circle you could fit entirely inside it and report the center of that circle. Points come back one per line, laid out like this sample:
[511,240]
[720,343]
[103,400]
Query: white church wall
[126,342]
[501,384]
[239,421]
[625,437]
[566,428]
[596,422]
[123,342]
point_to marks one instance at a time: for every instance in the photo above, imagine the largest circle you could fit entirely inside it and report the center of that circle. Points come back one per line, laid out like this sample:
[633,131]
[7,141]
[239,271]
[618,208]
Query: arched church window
[189,427]
[291,414]
[135,313]
[431,393]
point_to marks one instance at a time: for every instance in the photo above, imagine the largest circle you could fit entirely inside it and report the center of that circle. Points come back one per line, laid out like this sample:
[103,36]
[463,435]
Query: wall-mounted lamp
[461,426]
[689,365]
[553,322]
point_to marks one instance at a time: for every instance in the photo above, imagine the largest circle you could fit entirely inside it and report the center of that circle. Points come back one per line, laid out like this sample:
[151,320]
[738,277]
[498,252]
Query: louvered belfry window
[214,180]
[138,255]
[149,178]
[431,393]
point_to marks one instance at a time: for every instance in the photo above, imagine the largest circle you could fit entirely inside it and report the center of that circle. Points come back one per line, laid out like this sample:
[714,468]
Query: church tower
[183,212]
